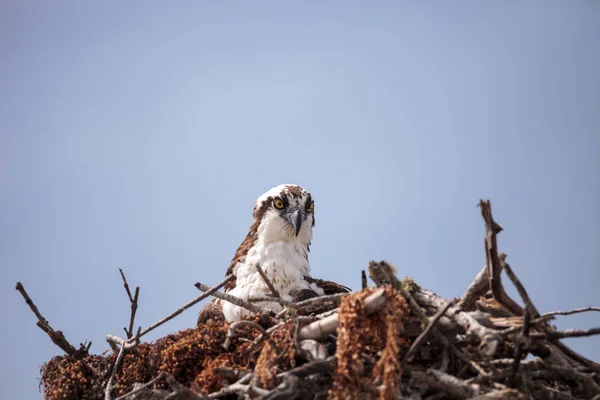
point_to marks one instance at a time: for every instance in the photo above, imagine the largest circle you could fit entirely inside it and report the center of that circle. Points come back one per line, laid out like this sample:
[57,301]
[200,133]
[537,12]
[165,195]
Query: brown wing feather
[212,310]
[329,287]
[249,240]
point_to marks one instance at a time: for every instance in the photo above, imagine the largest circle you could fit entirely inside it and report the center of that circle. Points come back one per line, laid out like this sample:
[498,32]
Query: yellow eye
[278,204]
[310,206]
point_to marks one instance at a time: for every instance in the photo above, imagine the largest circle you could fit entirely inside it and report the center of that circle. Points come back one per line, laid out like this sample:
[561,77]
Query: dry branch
[57,337]
[133,300]
[254,308]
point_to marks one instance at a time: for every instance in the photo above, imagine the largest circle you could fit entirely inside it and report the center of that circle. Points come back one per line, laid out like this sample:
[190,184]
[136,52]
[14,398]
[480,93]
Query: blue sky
[137,135]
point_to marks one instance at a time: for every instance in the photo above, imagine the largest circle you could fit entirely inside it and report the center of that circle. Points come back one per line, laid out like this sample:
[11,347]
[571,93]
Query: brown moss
[377,336]
[388,371]
[65,378]
[354,332]
[278,358]
[184,356]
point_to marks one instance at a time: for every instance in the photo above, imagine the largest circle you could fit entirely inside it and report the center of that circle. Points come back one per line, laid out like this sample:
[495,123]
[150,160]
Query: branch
[478,287]
[522,292]
[568,333]
[445,383]
[240,386]
[489,338]
[141,387]
[423,336]
[521,345]
[493,262]
[234,300]
[179,390]
[111,380]
[274,291]
[209,291]
[134,304]
[569,312]
[57,337]
[231,333]
[125,346]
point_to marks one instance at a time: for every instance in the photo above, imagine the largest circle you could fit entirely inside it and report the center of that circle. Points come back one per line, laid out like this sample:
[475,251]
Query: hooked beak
[295,219]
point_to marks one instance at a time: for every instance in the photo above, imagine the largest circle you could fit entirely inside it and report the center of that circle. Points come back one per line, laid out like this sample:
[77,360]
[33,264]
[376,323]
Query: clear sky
[138,134]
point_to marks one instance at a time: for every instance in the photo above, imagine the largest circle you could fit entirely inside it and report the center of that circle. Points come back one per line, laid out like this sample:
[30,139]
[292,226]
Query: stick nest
[393,339]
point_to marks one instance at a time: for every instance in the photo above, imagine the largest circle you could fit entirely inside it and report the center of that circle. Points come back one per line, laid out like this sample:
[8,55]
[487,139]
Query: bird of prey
[278,241]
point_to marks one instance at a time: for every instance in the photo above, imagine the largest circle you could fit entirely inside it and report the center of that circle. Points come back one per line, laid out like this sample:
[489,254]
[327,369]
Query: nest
[392,339]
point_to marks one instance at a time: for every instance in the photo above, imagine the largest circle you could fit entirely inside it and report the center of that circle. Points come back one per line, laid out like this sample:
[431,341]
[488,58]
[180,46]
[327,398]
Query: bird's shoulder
[329,287]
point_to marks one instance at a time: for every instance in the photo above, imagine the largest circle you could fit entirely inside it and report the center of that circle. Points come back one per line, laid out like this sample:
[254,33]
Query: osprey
[278,241]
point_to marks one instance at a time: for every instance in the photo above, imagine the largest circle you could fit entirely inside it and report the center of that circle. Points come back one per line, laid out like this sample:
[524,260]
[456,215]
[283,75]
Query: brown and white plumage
[278,241]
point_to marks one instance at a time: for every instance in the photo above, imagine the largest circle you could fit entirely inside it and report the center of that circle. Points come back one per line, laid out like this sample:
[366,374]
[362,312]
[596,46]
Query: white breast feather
[284,264]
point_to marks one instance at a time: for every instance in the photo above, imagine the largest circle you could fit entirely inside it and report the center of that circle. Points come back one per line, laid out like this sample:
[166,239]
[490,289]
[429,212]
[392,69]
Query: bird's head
[285,212]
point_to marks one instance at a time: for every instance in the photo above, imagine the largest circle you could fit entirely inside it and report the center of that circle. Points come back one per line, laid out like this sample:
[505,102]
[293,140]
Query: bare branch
[493,262]
[179,389]
[231,332]
[111,380]
[423,336]
[235,300]
[268,282]
[520,346]
[522,292]
[568,312]
[142,387]
[57,337]
[134,304]
[363,280]
[445,383]
[209,291]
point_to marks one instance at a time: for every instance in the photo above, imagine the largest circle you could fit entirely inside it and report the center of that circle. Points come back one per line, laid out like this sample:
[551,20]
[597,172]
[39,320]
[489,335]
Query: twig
[567,312]
[567,333]
[142,387]
[281,301]
[134,304]
[446,383]
[231,332]
[126,345]
[179,390]
[274,292]
[522,292]
[240,386]
[208,292]
[423,336]
[551,334]
[478,287]
[288,389]
[313,367]
[333,298]
[235,300]
[57,337]
[230,374]
[490,339]
[521,345]
[363,280]
[493,262]
[111,380]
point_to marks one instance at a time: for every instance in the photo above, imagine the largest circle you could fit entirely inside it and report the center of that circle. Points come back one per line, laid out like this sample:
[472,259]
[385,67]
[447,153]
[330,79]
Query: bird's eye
[310,206]
[278,203]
